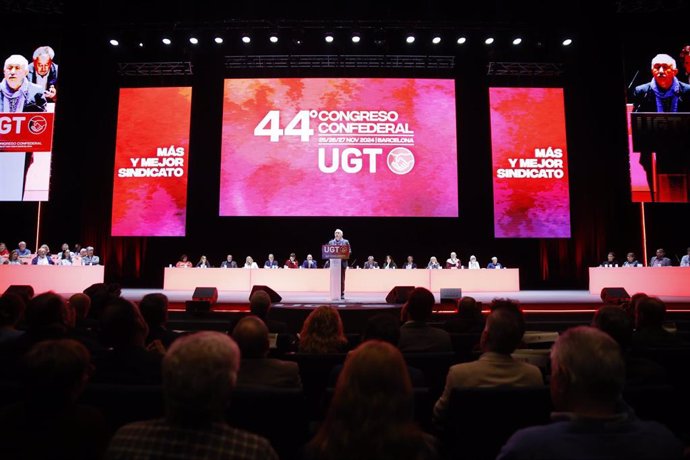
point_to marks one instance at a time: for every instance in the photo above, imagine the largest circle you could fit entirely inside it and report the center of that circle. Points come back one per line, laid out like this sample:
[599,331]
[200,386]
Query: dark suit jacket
[644,100]
[419,337]
[268,372]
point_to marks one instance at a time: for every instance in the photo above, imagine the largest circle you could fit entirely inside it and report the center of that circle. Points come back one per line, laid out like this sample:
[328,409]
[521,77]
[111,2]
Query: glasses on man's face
[662,67]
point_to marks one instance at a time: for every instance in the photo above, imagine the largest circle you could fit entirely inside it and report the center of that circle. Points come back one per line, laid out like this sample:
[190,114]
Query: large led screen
[658,115]
[151,156]
[339,147]
[530,163]
[28,94]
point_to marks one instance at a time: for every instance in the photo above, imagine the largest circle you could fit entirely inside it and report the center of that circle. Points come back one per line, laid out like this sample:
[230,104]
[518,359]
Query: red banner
[26,132]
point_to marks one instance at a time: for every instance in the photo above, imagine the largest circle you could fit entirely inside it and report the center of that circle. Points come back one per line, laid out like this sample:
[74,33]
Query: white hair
[17,59]
[41,50]
[337,230]
[663,59]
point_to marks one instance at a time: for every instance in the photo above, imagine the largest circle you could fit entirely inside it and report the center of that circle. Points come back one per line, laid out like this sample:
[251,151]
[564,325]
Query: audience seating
[122,404]
[435,368]
[464,344]
[315,370]
[480,420]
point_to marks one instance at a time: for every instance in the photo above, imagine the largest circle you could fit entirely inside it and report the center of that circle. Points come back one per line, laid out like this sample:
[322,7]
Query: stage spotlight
[329,38]
[114,42]
[218,40]
[193,40]
[273,38]
[489,40]
[517,41]
[246,39]
[462,40]
[567,42]
[436,40]
[141,44]
[356,38]
[410,39]
[166,41]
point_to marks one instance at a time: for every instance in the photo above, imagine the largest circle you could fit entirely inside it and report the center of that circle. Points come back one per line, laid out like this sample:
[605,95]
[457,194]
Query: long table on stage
[356,280]
[655,281]
[63,279]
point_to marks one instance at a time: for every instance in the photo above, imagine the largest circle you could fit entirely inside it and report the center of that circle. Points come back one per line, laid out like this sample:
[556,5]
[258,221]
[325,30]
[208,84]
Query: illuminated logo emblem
[37,124]
[400,160]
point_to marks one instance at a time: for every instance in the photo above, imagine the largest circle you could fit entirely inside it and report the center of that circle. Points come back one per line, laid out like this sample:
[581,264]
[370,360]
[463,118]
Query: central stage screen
[367,147]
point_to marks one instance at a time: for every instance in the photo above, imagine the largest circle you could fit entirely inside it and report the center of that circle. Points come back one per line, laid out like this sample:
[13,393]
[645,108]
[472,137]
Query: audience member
[415,334]
[260,306]
[100,294]
[410,263]
[184,262]
[453,261]
[617,324]
[154,310]
[322,332]
[228,262]
[660,259]
[47,423]
[468,319]
[256,368]
[199,373]
[473,264]
[495,367]
[587,377]
[649,326]
[12,309]
[371,415]
[128,361]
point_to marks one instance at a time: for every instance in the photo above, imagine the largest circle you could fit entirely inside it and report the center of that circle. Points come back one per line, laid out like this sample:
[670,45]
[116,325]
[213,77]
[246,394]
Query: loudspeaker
[450,295]
[209,294]
[614,295]
[197,307]
[399,294]
[275,297]
[24,291]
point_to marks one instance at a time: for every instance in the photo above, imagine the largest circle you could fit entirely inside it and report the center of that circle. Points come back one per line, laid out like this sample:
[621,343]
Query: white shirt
[473,264]
[253,265]
[42,260]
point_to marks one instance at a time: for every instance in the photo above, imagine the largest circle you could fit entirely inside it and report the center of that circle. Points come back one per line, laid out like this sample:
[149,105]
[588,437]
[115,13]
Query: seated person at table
[45,246]
[494,264]
[502,334]
[228,262]
[41,258]
[203,263]
[631,260]
[309,262]
[3,250]
[590,419]
[453,261]
[370,263]
[271,262]
[610,260]
[389,264]
[23,250]
[256,368]
[660,259]
[433,263]
[473,264]
[183,262]
[416,336]
[249,263]
[685,261]
[65,247]
[65,257]
[13,259]
[409,265]
[292,261]
[90,259]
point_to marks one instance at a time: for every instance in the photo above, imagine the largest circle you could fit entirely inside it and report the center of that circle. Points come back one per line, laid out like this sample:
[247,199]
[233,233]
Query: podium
[335,253]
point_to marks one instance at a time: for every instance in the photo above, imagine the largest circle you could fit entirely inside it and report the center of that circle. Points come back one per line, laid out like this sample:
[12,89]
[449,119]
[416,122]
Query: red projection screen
[530,163]
[363,147]
[151,156]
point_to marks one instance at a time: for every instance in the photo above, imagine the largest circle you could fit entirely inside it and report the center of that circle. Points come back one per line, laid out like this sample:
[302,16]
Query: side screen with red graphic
[151,157]
[374,147]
